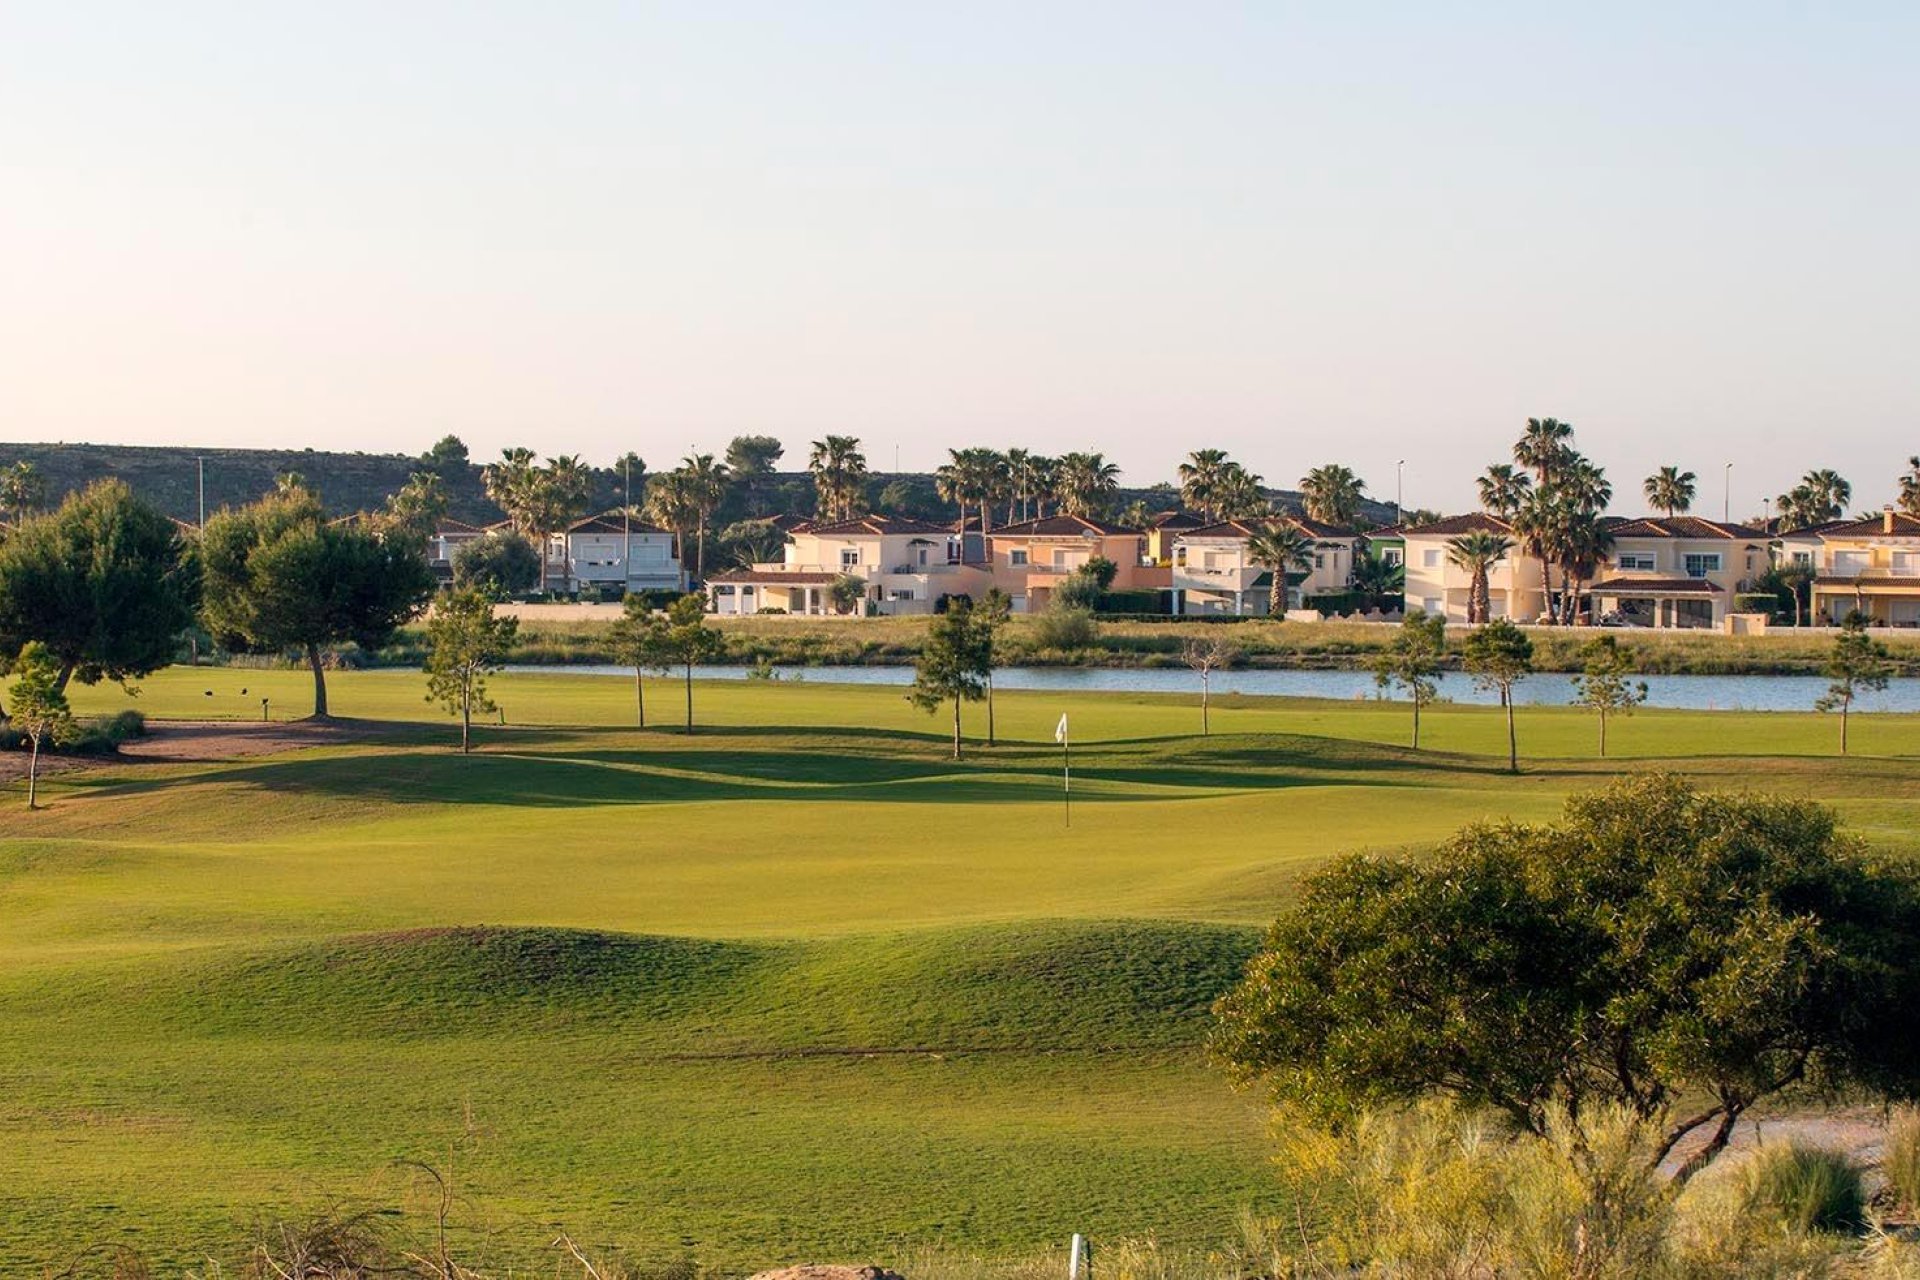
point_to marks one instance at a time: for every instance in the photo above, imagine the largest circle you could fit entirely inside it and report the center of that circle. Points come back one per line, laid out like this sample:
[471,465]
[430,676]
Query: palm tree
[1046,484]
[1583,486]
[1281,547]
[706,483]
[1671,490]
[511,485]
[1087,483]
[1021,483]
[22,490]
[974,475]
[1584,546]
[1332,494]
[1238,494]
[1910,488]
[1831,493]
[1477,553]
[839,475]
[1537,525]
[1544,447]
[1375,578]
[1200,478]
[670,504]
[1504,490]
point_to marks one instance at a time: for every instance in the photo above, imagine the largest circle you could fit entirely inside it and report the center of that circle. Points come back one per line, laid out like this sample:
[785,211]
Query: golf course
[795,986]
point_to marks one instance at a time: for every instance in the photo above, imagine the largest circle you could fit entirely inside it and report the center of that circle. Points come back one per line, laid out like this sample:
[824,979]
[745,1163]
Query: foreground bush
[1901,1163]
[1809,1188]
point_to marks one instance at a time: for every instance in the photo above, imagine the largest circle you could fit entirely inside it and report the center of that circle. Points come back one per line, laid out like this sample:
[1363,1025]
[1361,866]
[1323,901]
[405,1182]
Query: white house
[613,550]
[1213,573]
[901,566]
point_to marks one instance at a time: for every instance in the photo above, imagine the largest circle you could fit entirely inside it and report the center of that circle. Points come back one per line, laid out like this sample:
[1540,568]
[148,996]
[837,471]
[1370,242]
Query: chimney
[1886,518]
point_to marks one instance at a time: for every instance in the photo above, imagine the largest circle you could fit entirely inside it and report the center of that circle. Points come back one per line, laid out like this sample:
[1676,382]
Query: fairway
[795,986]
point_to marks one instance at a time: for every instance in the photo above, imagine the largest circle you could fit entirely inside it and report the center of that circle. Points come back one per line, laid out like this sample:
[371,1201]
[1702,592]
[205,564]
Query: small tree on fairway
[1602,685]
[1412,661]
[1858,664]
[466,643]
[1658,945]
[954,663]
[279,575]
[1205,655]
[689,641]
[105,582]
[1499,655]
[639,638]
[39,707]
[995,608]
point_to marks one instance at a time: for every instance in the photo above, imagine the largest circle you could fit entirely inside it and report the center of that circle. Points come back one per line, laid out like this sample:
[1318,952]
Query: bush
[1067,627]
[1148,602]
[1331,603]
[1810,1188]
[1902,1161]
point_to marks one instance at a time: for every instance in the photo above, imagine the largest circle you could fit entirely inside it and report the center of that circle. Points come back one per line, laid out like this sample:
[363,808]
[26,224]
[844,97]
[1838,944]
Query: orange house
[1031,558]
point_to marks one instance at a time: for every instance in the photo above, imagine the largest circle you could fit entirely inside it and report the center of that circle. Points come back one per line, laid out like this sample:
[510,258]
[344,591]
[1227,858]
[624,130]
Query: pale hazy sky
[1305,233]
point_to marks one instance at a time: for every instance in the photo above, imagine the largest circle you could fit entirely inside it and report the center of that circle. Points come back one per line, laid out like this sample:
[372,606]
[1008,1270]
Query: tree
[39,707]
[1537,526]
[1240,495]
[1910,487]
[1332,494]
[991,617]
[1200,477]
[1280,547]
[689,641]
[1671,490]
[1830,491]
[706,488]
[847,593]
[1477,553]
[1504,490]
[1025,473]
[447,456]
[1086,483]
[500,563]
[671,505]
[1602,685]
[839,476]
[1656,945]
[954,665]
[753,458]
[280,576]
[418,507]
[23,491]
[1545,446]
[105,582]
[563,492]
[466,643]
[1205,655]
[1411,660]
[1857,664]
[1378,580]
[512,484]
[639,638]
[975,475]
[1499,655]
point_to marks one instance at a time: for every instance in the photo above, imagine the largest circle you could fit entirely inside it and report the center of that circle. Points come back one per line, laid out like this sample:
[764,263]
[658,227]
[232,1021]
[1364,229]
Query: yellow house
[1212,572]
[1515,586]
[1676,572]
[1872,566]
[900,566]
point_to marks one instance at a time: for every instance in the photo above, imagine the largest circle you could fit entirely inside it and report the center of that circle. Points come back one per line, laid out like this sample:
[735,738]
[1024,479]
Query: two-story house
[1870,566]
[1213,571]
[1436,585]
[1679,571]
[1032,557]
[448,536]
[901,566]
[613,550]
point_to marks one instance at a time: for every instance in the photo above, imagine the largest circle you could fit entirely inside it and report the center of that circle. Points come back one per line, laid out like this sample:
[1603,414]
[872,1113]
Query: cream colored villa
[1872,566]
[901,567]
[1212,572]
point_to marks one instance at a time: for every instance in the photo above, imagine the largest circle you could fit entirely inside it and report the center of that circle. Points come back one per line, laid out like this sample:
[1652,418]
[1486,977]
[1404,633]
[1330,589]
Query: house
[448,537]
[615,550]
[1871,566]
[1435,585]
[1167,526]
[902,566]
[1679,571]
[1032,557]
[1389,542]
[1213,573]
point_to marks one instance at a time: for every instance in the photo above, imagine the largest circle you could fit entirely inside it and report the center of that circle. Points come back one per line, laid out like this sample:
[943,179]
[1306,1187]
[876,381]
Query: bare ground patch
[203,742]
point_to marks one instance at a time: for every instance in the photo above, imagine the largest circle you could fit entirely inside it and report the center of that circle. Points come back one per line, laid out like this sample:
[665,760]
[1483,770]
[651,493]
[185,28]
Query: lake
[1695,693]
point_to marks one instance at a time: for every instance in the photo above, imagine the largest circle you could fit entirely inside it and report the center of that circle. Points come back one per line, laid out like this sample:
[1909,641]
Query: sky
[1357,232]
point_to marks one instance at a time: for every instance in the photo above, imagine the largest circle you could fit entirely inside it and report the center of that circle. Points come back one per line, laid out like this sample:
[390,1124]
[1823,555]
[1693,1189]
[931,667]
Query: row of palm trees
[1075,484]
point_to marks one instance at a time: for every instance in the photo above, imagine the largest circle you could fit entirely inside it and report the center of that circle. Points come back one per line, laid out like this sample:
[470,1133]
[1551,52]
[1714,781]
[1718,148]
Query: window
[1319,561]
[849,557]
[1430,559]
[1803,558]
[1700,564]
[1636,561]
[1430,605]
[1394,555]
[920,557]
[953,551]
[1017,556]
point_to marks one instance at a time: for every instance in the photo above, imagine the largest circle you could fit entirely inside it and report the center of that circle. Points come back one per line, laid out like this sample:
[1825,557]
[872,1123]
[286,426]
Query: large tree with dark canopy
[1657,946]
[106,583]
[280,575]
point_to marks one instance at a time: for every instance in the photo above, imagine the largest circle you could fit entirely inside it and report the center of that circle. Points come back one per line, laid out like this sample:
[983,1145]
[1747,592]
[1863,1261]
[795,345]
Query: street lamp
[1399,489]
[1726,498]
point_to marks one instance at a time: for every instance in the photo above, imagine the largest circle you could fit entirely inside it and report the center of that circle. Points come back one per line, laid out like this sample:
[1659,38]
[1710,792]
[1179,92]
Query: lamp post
[1726,497]
[1399,490]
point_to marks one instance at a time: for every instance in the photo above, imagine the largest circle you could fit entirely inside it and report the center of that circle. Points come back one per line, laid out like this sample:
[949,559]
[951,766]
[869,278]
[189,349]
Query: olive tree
[280,575]
[1499,655]
[954,663]
[640,639]
[466,643]
[39,708]
[1411,660]
[1602,685]
[1656,946]
[1858,664]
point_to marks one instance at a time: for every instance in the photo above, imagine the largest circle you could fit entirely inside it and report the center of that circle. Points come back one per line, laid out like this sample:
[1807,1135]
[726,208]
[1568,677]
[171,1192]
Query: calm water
[1699,693]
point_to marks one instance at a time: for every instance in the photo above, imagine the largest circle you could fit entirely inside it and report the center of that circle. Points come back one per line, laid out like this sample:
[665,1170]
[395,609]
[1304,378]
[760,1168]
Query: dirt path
[204,741]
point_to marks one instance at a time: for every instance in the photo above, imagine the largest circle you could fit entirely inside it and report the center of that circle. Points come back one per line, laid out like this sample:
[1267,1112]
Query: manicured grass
[795,986]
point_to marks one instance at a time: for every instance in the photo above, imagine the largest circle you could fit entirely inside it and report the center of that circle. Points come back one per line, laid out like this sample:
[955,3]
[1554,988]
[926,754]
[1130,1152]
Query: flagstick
[1066,777]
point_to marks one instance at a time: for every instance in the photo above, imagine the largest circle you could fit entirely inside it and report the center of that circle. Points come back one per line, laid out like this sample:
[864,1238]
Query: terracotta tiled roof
[791,523]
[1454,526]
[1676,527]
[1247,528]
[1062,527]
[874,527]
[1904,526]
[1629,586]
[1175,520]
[450,525]
[797,578]
[611,522]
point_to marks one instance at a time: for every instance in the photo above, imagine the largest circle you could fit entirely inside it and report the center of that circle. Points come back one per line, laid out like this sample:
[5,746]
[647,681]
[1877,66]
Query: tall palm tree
[1584,546]
[1087,483]
[1910,487]
[973,476]
[1200,477]
[1021,483]
[1332,494]
[839,475]
[1477,553]
[1504,490]
[1583,486]
[1376,578]
[512,485]
[706,482]
[1544,446]
[1537,525]
[1831,493]
[1238,494]
[1281,546]
[1046,484]
[670,504]
[1671,490]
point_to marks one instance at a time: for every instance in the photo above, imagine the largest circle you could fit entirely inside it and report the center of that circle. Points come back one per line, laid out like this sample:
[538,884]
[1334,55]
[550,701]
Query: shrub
[1810,1188]
[1902,1161]
[1066,628]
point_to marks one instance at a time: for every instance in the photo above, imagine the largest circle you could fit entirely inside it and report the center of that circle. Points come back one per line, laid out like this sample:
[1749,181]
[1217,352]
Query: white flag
[1060,730]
